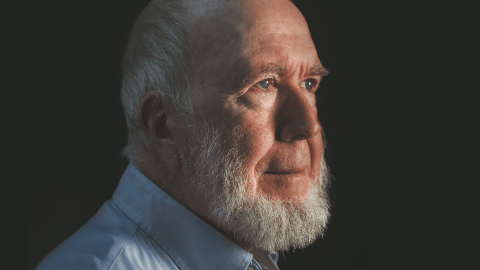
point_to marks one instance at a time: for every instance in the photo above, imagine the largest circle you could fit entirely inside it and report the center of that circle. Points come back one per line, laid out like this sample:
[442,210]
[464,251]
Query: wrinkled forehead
[220,30]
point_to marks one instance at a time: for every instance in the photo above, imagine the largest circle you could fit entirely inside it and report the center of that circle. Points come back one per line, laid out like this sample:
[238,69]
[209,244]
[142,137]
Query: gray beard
[216,168]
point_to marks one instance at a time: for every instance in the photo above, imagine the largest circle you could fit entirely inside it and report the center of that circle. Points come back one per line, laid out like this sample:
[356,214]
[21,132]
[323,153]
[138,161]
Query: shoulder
[109,240]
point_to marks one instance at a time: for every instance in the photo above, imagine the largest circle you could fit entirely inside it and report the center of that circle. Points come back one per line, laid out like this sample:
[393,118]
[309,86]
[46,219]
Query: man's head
[241,146]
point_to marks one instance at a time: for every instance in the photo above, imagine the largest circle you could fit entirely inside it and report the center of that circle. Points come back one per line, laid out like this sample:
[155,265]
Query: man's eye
[265,84]
[307,84]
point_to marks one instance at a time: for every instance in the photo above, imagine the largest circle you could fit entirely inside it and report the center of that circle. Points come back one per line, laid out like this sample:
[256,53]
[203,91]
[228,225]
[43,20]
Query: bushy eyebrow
[275,68]
[318,69]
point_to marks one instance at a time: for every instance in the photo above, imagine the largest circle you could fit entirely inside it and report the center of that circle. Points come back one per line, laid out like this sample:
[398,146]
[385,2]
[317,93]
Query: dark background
[372,110]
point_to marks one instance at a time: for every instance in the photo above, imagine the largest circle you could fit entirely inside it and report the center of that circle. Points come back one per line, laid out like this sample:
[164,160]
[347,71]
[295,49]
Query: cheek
[253,136]
[253,125]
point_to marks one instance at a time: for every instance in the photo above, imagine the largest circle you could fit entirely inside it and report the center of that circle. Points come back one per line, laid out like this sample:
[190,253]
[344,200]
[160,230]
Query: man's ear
[153,119]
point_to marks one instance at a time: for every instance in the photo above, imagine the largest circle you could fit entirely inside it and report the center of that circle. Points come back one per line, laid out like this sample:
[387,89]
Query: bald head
[218,31]
[178,46]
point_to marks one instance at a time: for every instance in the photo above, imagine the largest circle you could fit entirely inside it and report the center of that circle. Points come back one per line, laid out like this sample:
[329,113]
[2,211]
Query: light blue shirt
[142,227]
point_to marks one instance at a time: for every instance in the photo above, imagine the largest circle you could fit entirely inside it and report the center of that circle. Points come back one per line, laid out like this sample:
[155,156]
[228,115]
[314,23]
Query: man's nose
[298,120]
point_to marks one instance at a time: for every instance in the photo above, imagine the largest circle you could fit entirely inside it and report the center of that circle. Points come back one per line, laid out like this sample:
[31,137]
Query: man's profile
[226,152]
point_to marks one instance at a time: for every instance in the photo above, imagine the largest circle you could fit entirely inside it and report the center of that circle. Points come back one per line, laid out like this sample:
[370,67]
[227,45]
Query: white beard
[267,224]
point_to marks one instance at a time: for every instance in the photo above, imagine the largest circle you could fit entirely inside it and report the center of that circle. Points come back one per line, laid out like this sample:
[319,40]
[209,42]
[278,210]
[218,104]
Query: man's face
[274,108]
[256,148]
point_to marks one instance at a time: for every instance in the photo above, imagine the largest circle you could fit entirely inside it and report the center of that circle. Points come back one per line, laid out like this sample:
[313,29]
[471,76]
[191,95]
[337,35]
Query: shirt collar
[187,239]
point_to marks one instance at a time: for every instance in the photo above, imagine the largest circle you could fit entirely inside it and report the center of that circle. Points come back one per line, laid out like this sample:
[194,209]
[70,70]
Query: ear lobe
[152,117]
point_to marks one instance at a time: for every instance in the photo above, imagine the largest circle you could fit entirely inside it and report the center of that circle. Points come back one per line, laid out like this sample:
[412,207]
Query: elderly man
[226,150]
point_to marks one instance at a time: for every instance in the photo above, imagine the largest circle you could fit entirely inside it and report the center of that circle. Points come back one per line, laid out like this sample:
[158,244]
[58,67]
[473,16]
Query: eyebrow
[317,70]
[273,68]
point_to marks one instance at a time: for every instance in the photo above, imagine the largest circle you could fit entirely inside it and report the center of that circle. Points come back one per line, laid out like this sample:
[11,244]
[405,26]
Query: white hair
[215,166]
[155,59]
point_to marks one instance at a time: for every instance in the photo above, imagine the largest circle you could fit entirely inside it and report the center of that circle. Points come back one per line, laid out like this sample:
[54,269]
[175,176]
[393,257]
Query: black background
[373,109]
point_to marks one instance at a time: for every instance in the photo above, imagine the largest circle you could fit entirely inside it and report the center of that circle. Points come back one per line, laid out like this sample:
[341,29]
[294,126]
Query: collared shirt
[142,227]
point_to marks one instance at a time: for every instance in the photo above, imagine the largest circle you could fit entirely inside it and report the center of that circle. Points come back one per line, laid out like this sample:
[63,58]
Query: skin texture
[280,132]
